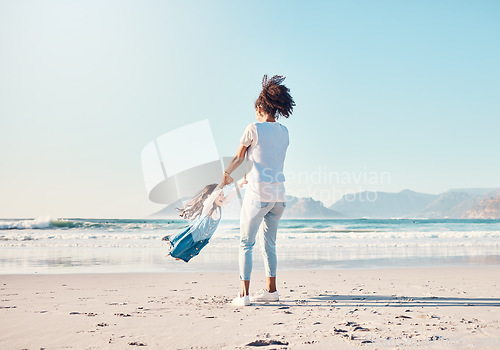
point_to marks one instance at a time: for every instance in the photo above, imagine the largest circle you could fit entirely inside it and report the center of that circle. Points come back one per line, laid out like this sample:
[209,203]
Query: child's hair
[275,98]
[195,206]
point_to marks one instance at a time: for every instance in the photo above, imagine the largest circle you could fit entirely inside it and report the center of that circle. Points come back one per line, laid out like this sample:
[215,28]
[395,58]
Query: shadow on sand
[327,300]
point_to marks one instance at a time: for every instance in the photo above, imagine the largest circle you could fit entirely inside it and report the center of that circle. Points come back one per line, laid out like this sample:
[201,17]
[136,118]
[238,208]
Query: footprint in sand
[266,343]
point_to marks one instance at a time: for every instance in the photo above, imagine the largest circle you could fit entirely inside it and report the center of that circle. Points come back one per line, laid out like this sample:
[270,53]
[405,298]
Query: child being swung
[205,212]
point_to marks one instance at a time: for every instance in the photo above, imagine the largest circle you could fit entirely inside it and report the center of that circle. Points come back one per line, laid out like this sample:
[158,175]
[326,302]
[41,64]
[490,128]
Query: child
[205,212]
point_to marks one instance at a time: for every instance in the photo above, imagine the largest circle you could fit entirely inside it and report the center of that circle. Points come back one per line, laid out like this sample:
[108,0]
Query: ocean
[73,245]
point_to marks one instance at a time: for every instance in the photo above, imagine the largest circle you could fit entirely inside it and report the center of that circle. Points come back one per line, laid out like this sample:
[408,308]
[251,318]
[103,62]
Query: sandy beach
[325,309]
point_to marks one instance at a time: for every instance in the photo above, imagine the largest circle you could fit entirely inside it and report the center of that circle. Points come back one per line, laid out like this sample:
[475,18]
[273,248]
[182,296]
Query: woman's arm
[235,163]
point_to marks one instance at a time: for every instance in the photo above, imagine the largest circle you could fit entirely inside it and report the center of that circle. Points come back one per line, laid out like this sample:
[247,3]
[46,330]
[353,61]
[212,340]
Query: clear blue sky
[409,88]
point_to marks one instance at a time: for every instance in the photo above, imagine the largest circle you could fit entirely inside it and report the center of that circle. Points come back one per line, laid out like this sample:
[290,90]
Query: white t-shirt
[267,143]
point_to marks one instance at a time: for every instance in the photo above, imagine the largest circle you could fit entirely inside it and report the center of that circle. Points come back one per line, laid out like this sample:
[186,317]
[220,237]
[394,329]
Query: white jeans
[263,218]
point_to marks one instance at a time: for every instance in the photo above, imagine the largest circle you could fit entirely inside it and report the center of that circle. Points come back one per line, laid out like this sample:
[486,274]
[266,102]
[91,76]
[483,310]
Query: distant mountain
[488,208]
[464,203]
[296,208]
[474,191]
[451,204]
[308,208]
[383,204]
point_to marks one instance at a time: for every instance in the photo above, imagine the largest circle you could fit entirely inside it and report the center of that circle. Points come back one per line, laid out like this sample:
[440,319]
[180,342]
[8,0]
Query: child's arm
[208,203]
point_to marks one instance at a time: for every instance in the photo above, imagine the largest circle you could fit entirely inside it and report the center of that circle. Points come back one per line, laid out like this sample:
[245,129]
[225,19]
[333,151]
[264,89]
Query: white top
[267,143]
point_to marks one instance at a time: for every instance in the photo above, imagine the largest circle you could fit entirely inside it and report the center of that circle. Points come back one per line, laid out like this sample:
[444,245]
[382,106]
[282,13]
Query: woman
[264,143]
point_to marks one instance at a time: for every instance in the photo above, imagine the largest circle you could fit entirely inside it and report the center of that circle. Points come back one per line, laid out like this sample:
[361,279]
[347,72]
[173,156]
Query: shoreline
[256,270]
[424,307]
[229,264]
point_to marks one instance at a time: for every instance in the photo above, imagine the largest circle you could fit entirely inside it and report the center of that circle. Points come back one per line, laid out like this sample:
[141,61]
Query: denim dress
[188,243]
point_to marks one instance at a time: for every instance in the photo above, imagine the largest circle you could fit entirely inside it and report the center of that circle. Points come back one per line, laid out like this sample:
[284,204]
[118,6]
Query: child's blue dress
[190,241]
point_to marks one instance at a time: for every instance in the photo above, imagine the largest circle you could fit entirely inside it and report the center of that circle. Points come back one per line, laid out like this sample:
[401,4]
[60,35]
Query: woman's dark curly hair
[275,99]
